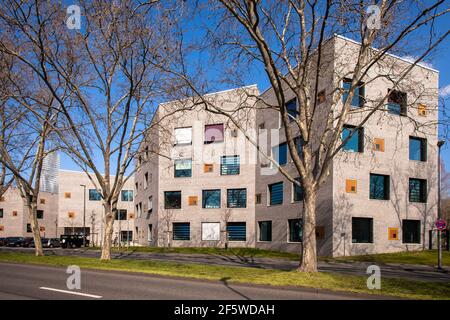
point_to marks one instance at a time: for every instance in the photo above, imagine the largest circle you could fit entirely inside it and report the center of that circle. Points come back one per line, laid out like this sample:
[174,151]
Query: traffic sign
[440,224]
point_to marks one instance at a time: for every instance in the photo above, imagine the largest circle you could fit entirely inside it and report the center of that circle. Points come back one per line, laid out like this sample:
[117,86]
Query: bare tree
[289,40]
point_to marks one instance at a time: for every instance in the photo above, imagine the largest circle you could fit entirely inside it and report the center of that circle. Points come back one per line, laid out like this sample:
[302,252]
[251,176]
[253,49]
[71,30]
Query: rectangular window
[94,195]
[230,165]
[299,145]
[236,231]
[183,168]
[258,198]
[362,230]
[183,136]
[146,180]
[29,230]
[276,193]
[40,214]
[279,153]
[126,236]
[150,233]
[350,186]
[379,186]
[237,198]
[292,110]
[127,195]
[172,199]
[411,231]
[210,231]
[1,213]
[265,230]
[121,214]
[211,199]
[354,138]
[150,204]
[358,95]
[397,102]
[295,230]
[417,190]
[182,231]
[298,191]
[213,133]
[417,149]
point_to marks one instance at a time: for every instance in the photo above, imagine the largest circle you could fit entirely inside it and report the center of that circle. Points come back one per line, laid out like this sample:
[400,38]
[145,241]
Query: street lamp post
[439,144]
[84,214]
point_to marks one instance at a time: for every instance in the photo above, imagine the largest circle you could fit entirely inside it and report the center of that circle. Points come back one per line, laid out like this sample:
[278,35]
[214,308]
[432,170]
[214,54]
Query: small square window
[208,167]
[71,214]
[67,195]
[193,200]
[397,102]
[258,198]
[392,233]
[2,228]
[40,214]
[14,213]
[42,201]
[350,186]
[378,144]
[422,110]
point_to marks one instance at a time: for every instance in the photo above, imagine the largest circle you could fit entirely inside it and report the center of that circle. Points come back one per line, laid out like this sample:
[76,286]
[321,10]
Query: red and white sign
[440,224]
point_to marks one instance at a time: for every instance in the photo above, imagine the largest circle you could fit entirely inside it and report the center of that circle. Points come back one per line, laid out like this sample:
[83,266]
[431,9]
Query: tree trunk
[108,233]
[32,215]
[309,255]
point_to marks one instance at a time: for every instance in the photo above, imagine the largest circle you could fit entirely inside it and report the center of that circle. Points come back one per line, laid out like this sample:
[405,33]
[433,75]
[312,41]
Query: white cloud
[413,59]
[444,92]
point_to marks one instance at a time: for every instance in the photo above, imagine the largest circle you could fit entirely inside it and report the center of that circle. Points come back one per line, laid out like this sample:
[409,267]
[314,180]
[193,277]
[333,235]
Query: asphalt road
[19,281]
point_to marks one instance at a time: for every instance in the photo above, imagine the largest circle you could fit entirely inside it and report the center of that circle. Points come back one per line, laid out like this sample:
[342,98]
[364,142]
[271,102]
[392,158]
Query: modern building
[380,196]
[63,212]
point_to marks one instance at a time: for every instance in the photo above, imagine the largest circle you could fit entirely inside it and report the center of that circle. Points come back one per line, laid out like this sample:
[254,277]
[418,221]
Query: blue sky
[439,60]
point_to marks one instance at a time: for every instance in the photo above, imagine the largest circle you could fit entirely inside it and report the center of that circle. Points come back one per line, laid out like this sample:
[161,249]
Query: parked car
[72,241]
[27,242]
[2,242]
[51,243]
[14,241]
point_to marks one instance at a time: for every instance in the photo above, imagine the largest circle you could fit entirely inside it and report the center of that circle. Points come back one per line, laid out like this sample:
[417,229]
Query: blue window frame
[279,153]
[237,198]
[265,230]
[183,168]
[355,136]
[276,193]
[298,191]
[358,96]
[94,195]
[417,190]
[397,102]
[181,231]
[295,230]
[229,165]
[417,149]
[127,195]
[379,186]
[172,199]
[236,231]
[292,110]
[211,199]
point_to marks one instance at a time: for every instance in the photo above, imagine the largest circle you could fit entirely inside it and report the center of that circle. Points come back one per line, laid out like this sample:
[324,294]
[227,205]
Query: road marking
[72,292]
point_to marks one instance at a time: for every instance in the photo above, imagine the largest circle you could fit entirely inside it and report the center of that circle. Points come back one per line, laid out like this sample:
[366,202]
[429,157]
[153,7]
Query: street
[43,283]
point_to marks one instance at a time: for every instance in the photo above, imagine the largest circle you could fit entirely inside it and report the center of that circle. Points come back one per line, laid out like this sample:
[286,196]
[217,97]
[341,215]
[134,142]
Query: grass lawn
[427,257]
[242,252]
[334,282]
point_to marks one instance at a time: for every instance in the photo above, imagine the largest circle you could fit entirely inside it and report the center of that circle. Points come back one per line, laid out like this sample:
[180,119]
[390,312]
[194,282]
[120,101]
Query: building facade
[380,196]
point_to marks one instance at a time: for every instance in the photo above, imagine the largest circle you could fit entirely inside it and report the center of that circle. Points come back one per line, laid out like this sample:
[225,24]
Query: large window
[411,231]
[353,138]
[213,133]
[183,136]
[126,236]
[379,186]
[127,195]
[397,102]
[210,231]
[237,198]
[276,193]
[182,231]
[183,168]
[211,199]
[40,214]
[298,194]
[362,230]
[295,230]
[417,190]
[94,195]
[358,96]
[279,153]
[172,199]
[292,110]
[236,231]
[417,149]
[121,214]
[265,230]
[229,165]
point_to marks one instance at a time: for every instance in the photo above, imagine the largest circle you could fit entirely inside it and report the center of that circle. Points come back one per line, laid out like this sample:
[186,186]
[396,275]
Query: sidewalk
[405,271]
